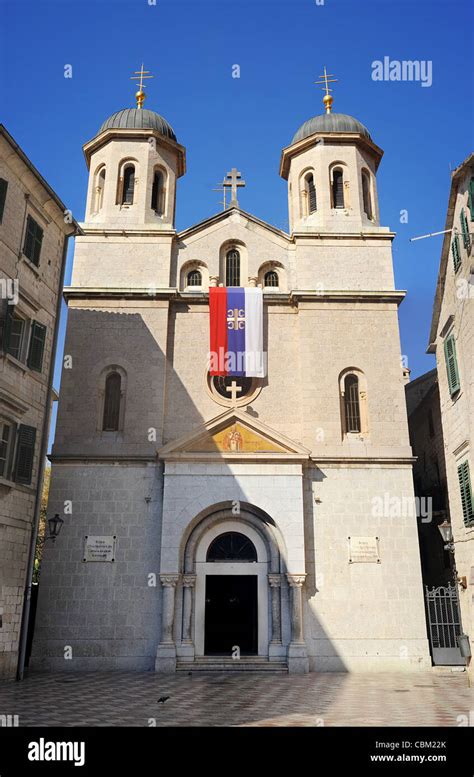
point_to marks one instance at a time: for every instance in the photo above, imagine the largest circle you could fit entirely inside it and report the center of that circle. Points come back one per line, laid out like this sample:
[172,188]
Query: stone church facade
[245,520]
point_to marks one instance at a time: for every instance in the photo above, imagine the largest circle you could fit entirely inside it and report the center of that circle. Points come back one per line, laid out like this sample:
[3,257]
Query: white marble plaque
[364,550]
[99,548]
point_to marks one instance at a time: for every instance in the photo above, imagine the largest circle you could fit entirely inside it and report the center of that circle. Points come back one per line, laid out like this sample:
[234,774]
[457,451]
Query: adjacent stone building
[452,341]
[205,520]
[34,231]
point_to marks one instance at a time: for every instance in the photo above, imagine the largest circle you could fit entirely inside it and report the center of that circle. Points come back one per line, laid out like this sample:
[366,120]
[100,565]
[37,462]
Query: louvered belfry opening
[128,185]
[311,193]
[338,189]
[232,268]
[351,403]
[112,402]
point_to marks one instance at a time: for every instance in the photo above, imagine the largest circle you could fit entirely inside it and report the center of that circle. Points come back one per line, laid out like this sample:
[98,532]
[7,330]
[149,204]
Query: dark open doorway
[231,616]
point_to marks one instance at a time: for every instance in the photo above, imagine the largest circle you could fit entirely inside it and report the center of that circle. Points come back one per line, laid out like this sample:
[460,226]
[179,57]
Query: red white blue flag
[236,320]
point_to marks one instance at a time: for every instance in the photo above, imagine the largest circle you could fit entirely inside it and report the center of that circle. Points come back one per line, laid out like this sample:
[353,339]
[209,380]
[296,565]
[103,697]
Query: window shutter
[7,326]
[456,253]
[466,493]
[451,364]
[471,198]
[33,241]
[25,452]
[466,239]
[338,189]
[37,341]
[3,196]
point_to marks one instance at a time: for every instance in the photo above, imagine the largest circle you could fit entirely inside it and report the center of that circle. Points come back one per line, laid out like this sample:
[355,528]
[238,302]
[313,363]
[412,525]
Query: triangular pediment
[234,434]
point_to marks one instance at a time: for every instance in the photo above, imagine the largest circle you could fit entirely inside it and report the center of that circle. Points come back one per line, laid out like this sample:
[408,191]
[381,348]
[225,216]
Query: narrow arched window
[338,189]
[157,193]
[128,185]
[231,546]
[270,278]
[99,190]
[310,193]
[367,200]
[232,268]
[194,278]
[112,396]
[351,403]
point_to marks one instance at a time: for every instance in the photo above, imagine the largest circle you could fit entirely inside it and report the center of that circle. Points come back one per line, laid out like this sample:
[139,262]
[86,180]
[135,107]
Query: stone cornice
[94,458]
[100,292]
[372,235]
[91,230]
[358,460]
[329,295]
[345,138]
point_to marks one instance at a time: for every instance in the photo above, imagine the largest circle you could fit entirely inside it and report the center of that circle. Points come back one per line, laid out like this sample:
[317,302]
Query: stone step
[224,664]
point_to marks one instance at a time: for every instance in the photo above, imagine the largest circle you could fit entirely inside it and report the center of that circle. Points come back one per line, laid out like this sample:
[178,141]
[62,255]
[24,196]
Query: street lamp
[55,525]
[446,531]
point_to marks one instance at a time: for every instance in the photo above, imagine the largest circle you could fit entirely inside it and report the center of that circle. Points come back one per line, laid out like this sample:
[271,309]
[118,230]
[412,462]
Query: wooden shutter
[471,198]
[6,326]
[33,241]
[25,452]
[338,189]
[3,196]
[456,253]
[466,493]
[466,238]
[452,364]
[36,350]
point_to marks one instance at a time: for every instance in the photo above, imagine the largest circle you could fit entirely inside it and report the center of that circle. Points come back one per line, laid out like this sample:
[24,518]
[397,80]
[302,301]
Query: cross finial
[233,179]
[327,78]
[140,75]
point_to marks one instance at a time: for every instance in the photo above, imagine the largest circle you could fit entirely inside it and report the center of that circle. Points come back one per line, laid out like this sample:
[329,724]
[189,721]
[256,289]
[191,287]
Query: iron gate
[444,624]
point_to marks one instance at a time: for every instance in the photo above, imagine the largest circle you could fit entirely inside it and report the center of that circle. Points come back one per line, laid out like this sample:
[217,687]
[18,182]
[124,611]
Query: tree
[42,523]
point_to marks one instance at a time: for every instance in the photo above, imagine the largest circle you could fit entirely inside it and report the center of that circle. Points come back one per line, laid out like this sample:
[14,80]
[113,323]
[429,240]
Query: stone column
[253,280]
[297,655]
[274,582]
[213,280]
[166,653]
[188,607]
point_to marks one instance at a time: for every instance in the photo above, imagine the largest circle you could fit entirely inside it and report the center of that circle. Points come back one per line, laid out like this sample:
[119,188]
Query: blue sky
[281,47]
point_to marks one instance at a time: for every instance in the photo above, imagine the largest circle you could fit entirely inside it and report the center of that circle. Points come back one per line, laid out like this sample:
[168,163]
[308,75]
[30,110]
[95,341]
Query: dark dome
[330,122]
[138,118]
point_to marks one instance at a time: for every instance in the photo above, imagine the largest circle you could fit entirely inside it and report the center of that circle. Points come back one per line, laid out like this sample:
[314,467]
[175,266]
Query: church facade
[244,521]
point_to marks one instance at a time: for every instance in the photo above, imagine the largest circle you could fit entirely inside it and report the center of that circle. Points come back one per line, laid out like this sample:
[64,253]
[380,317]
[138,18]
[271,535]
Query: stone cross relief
[233,390]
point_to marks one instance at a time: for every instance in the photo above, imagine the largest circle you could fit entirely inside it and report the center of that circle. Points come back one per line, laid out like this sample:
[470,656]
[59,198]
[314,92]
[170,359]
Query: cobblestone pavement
[240,699]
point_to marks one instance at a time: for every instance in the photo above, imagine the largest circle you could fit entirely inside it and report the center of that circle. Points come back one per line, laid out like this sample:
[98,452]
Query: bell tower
[134,162]
[331,167]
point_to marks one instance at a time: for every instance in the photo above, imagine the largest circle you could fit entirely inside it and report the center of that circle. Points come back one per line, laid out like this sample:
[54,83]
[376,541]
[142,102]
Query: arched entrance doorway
[231,592]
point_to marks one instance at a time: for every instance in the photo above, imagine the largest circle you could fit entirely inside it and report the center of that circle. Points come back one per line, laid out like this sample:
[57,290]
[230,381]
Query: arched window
[111,419]
[194,278]
[128,185]
[367,200]
[338,188]
[231,546]
[232,268]
[158,193]
[351,403]
[270,278]
[99,190]
[310,190]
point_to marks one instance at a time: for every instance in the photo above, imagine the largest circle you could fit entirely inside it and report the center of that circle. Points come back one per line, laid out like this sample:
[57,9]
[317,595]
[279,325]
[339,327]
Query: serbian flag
[236,321]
